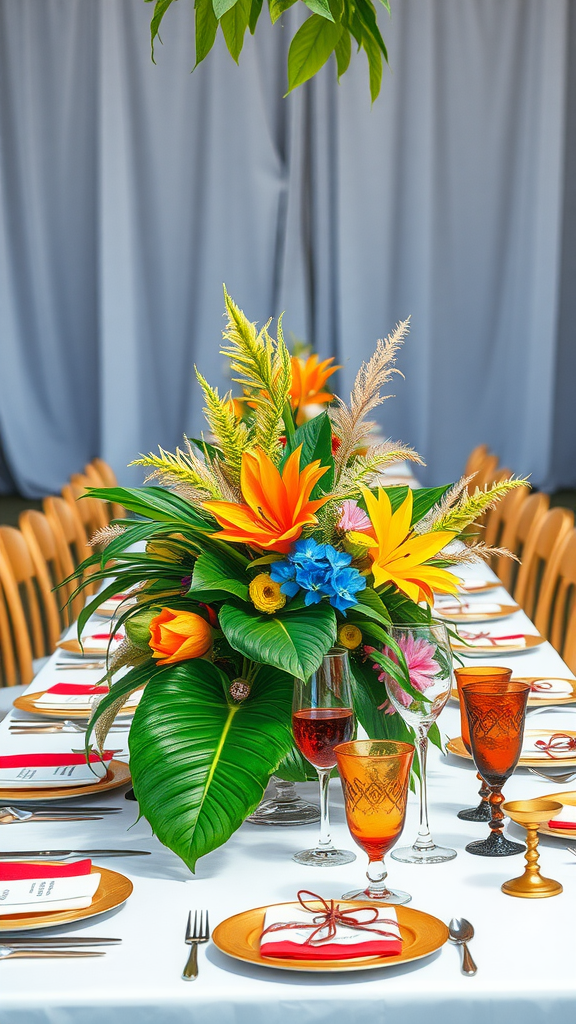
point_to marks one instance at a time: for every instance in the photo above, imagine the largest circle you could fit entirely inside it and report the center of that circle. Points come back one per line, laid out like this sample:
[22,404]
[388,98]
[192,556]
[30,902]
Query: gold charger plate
[464,588]
[113,891]
[27,702]
[568,798]
[481,652]
[118,774]
[73,647]
[503,613]
[456,746]
[537,702]
[239,937]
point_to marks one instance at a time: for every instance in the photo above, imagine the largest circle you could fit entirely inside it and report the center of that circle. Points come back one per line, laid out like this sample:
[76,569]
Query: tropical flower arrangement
[267,543]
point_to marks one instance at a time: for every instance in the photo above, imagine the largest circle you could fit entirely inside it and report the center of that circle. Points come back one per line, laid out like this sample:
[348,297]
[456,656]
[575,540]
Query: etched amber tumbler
[375,776]
[496,714]
[464,676]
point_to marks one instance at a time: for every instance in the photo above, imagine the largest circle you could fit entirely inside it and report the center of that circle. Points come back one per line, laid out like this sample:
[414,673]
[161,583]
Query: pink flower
[422,666]
[353,518]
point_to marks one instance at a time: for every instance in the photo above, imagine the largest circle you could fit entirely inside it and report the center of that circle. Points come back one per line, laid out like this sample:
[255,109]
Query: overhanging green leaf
[277,7]
[160,8]
[295,641]
[206,26]
[343,52]
[234,24]
[221,6]
[310,48]
[321,7]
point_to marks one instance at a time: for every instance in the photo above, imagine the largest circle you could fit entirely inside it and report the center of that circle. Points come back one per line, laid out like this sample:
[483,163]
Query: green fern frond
[180,468]
[232,436]
[469,507]
[264,372]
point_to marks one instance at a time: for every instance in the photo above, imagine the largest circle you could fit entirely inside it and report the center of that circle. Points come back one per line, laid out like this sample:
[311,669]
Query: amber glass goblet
[375,776]
[496,714]
[478,674]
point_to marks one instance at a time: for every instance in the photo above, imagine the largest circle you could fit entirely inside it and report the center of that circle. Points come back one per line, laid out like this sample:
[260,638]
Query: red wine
[318,730]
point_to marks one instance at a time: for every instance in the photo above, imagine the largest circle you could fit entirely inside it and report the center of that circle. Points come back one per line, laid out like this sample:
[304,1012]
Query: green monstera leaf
[200,763]
[295,641]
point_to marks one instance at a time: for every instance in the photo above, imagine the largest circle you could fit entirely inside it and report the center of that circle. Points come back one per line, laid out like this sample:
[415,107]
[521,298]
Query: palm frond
[468,507]
[231,435]
[264,371]
[104,536]
[181,468]
[350,421]
[363,470]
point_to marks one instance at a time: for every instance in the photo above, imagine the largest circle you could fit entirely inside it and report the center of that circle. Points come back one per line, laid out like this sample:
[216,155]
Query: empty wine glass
[322,717]
[429,659]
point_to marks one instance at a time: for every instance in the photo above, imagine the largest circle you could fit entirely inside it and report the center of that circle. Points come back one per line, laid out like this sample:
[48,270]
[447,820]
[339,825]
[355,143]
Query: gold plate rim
[73,647]
[456,746]
[249,954]
[532,641]
[489,585]
[119,771]
[26,702]
[110,880]
[506,610]
[560,833]
[536,702]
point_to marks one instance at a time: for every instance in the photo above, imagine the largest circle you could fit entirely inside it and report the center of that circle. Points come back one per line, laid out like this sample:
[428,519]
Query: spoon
[461,931]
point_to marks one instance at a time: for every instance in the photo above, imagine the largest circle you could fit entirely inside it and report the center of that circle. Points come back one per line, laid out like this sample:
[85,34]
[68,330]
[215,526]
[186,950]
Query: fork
[200,933]
[558,777]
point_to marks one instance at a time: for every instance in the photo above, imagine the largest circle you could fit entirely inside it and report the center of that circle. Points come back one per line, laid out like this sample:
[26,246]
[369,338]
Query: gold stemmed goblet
[530,814]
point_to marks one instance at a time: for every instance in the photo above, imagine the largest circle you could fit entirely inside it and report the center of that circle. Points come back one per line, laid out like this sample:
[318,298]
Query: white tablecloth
[524,948]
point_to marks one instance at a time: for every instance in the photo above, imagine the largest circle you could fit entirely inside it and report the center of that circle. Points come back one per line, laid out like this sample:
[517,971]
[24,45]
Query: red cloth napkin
[11,871]
[49,760]
[331,950]
[76,688]
[295,933]
[104,636]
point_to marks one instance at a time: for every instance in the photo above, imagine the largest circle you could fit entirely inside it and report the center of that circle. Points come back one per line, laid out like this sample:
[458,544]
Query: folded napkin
[465,608]
[77,696]
[566,818]
[548,746]
[477,585]
[546,688]
[64,769]
[299,933]
[27,888]
[487,640]
[103,641]
[112,604]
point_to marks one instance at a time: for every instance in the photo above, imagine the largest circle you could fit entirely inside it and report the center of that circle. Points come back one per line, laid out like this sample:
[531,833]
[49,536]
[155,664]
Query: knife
[64,854]
[6,939]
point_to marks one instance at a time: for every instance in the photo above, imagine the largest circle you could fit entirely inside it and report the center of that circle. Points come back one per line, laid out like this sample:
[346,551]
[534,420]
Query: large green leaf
[215,572]
[321,7]
[294,641]
[310,48]
[199,762]
[222,6]
[234,24]
[160,8]
[155,503]
[315,436]
[277,7]
[206,26]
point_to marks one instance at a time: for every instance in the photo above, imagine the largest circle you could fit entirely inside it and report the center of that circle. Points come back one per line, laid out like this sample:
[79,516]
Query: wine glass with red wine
[322,717]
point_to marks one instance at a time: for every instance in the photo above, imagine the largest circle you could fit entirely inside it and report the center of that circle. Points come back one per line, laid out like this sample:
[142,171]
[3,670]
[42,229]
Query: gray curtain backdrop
[129,192]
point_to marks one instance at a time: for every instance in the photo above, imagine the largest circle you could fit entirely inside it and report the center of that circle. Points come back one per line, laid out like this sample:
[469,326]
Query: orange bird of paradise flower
[277,506]
[308,380]
[398,554]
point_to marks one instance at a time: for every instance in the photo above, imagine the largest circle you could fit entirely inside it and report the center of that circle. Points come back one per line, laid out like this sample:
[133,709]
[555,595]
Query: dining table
[524,948]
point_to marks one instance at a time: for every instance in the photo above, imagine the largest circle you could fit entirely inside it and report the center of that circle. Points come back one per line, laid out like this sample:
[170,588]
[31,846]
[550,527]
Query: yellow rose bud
[178,636]
[349,636]
[266,594]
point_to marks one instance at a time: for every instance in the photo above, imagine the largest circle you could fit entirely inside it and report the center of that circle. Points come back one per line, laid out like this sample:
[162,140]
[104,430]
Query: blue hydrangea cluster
[321,571]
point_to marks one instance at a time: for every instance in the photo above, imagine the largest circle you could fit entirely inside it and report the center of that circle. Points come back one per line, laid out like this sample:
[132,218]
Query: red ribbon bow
[491,639]
[558,743]
[329,918]
[541,685]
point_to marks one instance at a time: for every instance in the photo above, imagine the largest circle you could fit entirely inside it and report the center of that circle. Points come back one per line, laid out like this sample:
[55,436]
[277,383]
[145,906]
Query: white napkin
[529,748]
[466,608]
[94,643]
[478,585]
[494,641]
[351,941]
[47,892]
[550,688]
[78,701]
[22,771]
[565,819]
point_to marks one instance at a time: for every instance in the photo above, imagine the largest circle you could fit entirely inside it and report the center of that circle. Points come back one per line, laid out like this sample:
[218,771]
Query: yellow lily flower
[398,555]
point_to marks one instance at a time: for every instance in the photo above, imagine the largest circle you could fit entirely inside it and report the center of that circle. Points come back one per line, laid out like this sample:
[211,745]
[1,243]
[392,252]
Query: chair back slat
[109,479]
[556,609]
[507,510]
[15,648]
[71,543]
[549,533]
[475,460]
[515,536]
[31,575]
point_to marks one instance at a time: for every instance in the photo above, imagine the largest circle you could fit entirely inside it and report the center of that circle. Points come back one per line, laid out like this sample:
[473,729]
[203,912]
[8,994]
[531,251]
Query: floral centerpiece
[269,542]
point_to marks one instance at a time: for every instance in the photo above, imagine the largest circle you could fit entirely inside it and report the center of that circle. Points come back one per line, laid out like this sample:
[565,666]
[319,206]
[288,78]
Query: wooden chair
[45,550]
[486,474]
[71,544]
[515,536]
[556,609]
[476,459]
[15,647]
[548,534]
[508,509]
[109,479]
[35,591]
[90,511]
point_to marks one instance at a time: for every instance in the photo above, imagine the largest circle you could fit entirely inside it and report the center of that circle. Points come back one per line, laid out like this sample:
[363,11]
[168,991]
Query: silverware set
[69,854]
[195,934]
[24,728]
[32,947]
[10,815]
[80,664]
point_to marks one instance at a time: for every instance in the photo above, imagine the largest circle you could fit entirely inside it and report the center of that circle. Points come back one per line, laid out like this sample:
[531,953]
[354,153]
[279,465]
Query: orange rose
[178,636]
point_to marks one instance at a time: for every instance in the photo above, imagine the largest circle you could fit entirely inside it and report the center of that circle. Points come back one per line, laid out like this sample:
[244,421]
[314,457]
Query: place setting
[480,643]
[53,775]
[462,611]
[93,644]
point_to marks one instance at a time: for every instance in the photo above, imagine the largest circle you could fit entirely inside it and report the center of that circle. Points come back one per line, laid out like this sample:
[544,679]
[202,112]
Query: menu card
[64,769]
[28,888]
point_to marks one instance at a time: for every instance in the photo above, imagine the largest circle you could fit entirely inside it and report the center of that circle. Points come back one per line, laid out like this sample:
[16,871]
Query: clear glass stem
[424,840]
[376,875]
[325,841]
